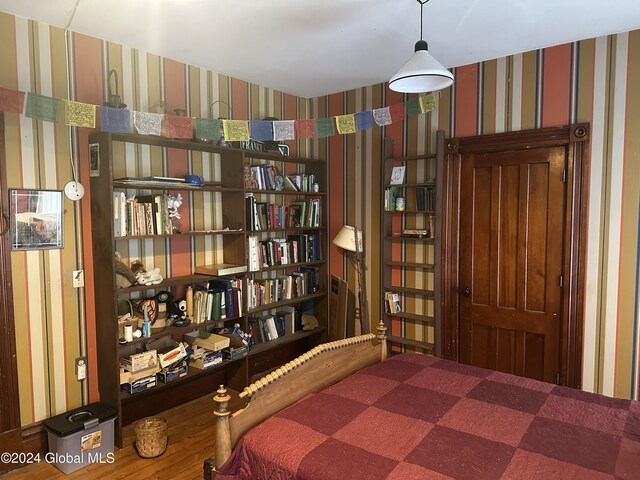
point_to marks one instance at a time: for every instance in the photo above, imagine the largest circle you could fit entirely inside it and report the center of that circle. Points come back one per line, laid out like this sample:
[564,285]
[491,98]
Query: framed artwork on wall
[36,219]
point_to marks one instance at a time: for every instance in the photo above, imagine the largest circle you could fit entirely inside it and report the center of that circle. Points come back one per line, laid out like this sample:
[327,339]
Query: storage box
[207,340]
[81,436]
[175,372]
[236,349]
[139,361]
[206,360]
[128,377]
[169,351]
[139,385]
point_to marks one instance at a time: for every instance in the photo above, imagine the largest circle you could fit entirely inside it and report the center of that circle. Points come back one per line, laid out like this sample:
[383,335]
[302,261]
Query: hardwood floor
[191,439]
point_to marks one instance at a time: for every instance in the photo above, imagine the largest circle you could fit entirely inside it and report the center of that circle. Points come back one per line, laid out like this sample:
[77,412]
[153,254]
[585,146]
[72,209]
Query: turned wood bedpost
[382,337]
[223,434]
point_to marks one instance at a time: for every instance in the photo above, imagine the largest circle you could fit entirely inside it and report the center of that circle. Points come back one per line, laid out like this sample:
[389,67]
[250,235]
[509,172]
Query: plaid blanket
[420,417]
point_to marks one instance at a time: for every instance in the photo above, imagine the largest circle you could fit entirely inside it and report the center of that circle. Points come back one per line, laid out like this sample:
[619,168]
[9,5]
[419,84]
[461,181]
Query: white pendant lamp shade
[422,73]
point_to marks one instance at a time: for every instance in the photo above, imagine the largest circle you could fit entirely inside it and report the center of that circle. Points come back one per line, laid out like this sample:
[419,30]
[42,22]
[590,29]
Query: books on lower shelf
[140,215]
[392,302]
[295,248]
[218,300]
[265,291]
[270,216]
[426,197]
[268,327]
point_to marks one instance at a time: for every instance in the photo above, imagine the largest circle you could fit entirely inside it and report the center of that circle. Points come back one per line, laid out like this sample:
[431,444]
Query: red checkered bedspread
[420,417]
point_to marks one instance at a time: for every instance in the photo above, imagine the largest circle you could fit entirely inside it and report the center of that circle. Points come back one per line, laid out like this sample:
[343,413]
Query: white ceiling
[315,48]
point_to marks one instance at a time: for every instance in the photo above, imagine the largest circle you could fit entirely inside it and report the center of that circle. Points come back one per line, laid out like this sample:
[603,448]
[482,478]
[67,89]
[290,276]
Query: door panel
[511,240]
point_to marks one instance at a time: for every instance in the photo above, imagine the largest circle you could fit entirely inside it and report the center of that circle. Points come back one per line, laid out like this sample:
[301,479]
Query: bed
[415,416]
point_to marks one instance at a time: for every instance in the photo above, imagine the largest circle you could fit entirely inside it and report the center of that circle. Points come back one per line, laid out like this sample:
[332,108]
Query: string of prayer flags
[283,130]
[41,107]
[427,103]
[412,107]
[346,123]
[382,116]
[306,128]
[208,129]
[324,127]
[262,130]
[178,126]
[78,114]
[115,120]
[235,130]
[147,123]
[11,100]
[397,112]
[364,120]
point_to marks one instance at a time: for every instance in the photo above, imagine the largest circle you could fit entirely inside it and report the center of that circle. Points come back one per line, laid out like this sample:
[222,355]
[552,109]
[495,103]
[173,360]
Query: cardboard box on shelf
[207,340]
[139,361]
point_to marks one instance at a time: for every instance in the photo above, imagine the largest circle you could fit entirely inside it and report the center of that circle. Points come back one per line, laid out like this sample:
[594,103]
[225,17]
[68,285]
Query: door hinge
[558,378]
[564,175]
[561,281]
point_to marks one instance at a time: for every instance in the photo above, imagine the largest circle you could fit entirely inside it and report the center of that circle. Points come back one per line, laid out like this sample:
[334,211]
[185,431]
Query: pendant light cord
[421,2]
[66,51]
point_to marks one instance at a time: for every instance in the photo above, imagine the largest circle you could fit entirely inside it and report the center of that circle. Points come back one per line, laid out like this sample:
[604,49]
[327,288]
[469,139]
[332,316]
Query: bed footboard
[319,367]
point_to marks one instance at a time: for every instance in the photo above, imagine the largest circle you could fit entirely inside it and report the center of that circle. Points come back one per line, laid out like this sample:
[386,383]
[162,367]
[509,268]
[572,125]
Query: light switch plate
[78,278]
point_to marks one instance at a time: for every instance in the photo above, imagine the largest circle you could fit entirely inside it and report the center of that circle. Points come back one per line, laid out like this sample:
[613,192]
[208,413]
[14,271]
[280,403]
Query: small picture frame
[36,219]
[397,175]
[94,159]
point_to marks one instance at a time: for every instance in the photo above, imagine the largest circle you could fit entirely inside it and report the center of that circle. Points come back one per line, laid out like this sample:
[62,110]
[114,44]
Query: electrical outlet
[78,278]
[81,368]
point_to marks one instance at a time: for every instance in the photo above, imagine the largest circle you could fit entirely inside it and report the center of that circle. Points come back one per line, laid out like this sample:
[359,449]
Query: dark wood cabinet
[213,229]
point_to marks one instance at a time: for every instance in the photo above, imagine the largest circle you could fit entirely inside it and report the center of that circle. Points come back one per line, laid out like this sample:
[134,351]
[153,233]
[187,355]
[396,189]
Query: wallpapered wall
[586,81]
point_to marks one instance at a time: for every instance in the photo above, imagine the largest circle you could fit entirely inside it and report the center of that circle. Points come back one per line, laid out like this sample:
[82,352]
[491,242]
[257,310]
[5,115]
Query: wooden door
[512,209]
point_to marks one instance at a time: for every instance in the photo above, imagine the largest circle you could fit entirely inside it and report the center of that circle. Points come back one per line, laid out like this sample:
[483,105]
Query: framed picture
[36,219]
[94,159]
[397,175]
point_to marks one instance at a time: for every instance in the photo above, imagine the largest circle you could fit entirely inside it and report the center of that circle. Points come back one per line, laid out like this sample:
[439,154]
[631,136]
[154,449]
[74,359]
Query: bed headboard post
[223,433]
[382,337]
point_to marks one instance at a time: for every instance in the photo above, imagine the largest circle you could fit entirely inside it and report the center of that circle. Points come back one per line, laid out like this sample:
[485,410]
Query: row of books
[265,291]
[392,302]
[218,300]
[296,248]
[267,216]
[269,327]
[426,198]
[267,177]
[390,195]
[140,215]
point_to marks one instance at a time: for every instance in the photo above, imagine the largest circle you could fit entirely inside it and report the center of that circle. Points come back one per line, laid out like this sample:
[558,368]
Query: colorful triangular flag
[382,116]
[412,107]
[427,103]
[397,112]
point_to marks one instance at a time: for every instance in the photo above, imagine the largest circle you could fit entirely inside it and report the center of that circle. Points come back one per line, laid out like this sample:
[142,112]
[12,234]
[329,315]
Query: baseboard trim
[29,439]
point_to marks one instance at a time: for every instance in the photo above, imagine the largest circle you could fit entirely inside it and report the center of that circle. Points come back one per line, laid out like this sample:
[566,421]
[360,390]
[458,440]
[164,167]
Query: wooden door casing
[511,232]
[574,140]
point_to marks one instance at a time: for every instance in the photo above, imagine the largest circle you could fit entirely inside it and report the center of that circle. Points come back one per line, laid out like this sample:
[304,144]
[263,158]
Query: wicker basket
[151,436]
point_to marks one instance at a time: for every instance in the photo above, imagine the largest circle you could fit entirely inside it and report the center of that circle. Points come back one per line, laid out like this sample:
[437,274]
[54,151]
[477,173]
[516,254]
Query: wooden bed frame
[319,367]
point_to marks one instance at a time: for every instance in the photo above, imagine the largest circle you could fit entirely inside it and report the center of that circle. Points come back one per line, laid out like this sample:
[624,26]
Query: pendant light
[422,73]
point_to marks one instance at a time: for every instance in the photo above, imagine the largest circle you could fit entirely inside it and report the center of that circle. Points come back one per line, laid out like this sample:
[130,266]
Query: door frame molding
[575,139]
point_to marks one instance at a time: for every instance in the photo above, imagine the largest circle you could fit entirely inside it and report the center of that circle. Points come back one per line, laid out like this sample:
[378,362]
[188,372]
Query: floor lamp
[346,240]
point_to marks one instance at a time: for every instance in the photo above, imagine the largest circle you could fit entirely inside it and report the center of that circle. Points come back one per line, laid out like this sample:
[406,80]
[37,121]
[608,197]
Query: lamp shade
[346,239]
[421,73]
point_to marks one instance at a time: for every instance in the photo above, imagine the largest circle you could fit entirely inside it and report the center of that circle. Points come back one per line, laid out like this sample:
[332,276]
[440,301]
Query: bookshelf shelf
[290,265]
[291,337]
[183,234]
[286,303]
[411,259]
[287,192]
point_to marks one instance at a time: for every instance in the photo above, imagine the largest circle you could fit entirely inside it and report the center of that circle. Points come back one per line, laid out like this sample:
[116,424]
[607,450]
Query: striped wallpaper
[586,81]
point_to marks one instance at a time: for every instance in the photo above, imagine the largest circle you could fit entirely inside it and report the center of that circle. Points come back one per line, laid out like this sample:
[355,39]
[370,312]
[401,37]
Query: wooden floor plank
[191,441]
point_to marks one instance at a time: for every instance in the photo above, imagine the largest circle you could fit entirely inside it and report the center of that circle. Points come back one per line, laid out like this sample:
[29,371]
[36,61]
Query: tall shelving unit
[410,265]
[214,218]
